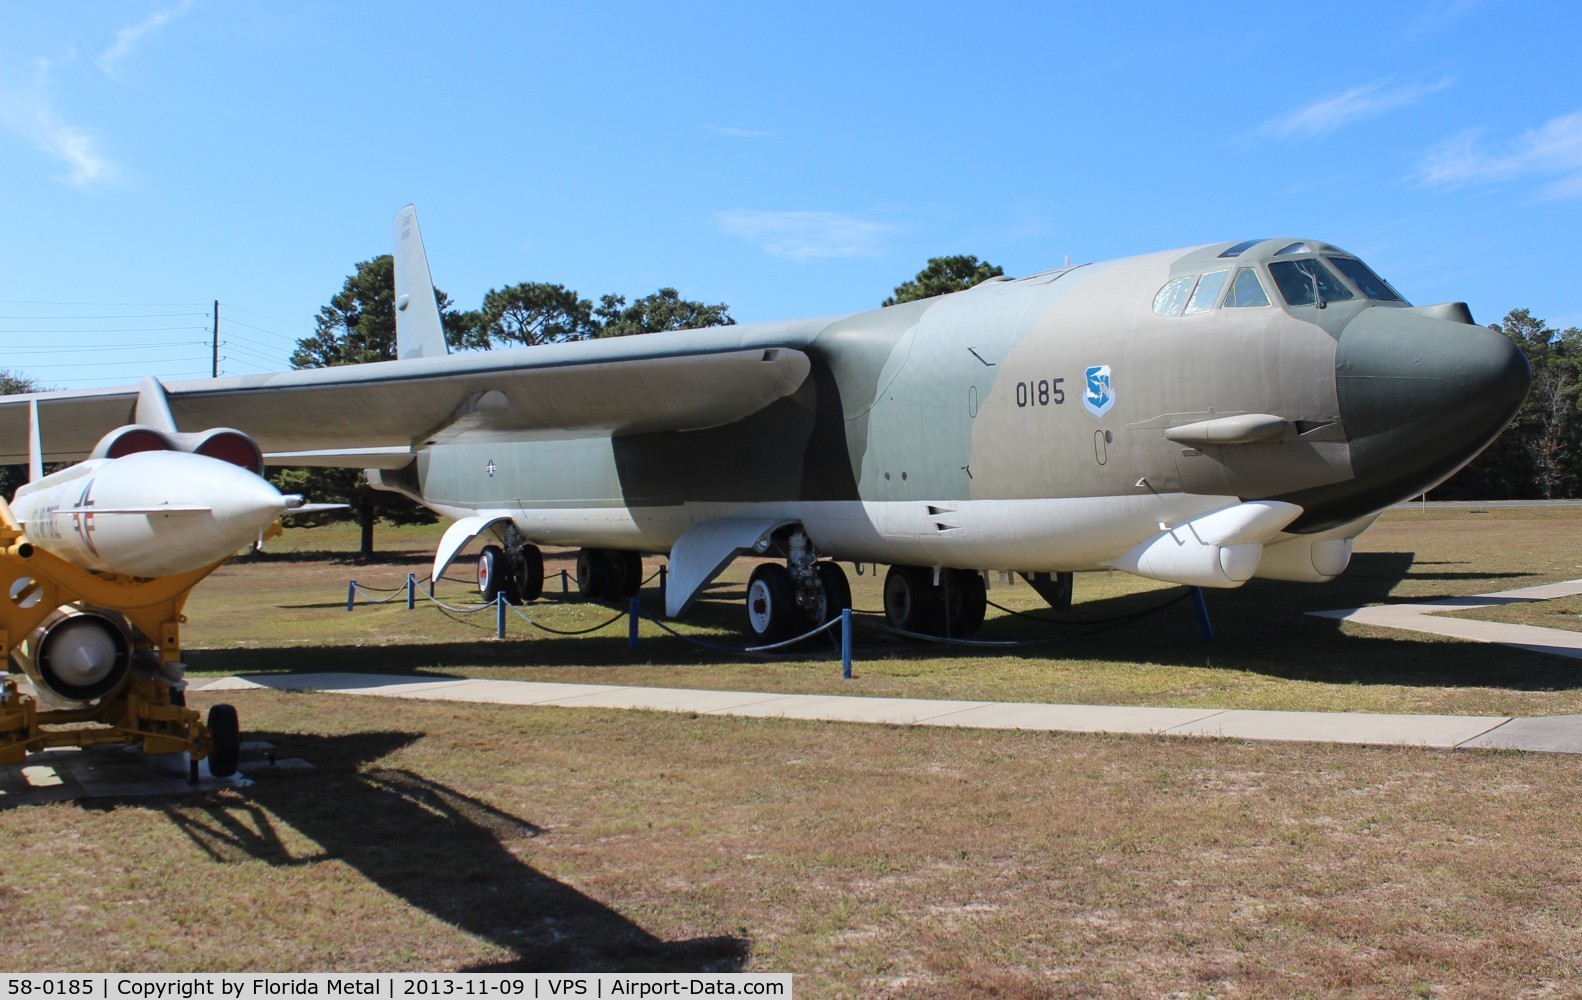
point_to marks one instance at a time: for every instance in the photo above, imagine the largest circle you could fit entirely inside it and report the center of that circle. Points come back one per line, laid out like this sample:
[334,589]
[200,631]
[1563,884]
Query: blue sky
[788,159]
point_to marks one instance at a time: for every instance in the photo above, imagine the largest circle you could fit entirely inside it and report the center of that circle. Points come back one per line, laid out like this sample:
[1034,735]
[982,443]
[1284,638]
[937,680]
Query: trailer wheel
[227,735]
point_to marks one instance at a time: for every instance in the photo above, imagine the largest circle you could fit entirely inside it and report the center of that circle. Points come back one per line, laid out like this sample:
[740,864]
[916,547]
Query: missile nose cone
[1420,396]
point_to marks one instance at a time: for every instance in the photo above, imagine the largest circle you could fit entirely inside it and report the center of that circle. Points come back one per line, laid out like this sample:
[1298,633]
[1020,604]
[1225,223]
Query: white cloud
[1552,150]
[127,39]
[1339,110]
[806,235]
[30,115]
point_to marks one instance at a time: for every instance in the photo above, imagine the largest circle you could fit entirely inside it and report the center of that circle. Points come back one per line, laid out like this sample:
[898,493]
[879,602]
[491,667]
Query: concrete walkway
[1423,618]
[1444,732]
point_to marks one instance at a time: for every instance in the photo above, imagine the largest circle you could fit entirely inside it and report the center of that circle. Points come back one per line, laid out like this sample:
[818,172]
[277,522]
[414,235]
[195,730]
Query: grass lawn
[869,860]
[289,614]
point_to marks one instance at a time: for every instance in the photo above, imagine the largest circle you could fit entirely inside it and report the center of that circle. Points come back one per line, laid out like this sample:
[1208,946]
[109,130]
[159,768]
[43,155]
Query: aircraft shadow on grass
[1261,628]
[440,851]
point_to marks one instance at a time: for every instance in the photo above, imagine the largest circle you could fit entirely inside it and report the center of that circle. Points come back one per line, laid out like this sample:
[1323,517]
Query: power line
[230,321]
[251,354]
[249,340]
[275,319]
[66,348]
[145,362]
[110,316]
[96,305]
[127,329]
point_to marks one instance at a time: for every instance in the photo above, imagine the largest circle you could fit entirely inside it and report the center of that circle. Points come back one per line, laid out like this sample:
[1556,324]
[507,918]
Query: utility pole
[214,367]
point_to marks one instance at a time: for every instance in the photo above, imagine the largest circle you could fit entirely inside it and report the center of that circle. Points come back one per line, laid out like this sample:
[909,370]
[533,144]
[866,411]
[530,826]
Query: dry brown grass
[1267,654]
[870,860]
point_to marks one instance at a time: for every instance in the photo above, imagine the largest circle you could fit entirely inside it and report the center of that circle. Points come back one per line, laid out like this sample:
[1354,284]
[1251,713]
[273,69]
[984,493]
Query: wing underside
[377,415]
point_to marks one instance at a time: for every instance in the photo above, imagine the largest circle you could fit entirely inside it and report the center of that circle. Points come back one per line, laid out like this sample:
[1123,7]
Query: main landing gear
[515,569]
[786,600]
[954,606]
[609,574]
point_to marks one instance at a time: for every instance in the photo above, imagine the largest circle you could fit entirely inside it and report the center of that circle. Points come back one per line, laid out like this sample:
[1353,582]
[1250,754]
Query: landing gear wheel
[966,601]
[528,578]
[835,594]
[771,603]
[625,574]
[593,574]
[493,580]
[227,735]
[911,602]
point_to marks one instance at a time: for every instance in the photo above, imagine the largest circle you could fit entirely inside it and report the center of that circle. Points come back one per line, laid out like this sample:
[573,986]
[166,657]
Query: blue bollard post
[1202,614]
[431,587]
[565,586]
[845,643]
[663,575]
[411,591]
[351,594]
[633,609]
[499,615]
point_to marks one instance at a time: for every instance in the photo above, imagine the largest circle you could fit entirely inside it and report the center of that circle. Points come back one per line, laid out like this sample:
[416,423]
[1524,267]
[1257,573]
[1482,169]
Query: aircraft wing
[375,415]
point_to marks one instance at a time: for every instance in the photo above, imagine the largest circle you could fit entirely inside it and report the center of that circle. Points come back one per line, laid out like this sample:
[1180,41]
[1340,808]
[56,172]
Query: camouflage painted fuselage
[1022,425]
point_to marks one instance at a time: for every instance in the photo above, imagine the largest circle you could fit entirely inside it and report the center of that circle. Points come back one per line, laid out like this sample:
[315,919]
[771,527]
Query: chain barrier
[754,651]
[1119,619]
[846,620]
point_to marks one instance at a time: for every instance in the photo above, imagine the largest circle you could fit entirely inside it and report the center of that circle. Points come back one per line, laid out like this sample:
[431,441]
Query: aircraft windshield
[1304,282]
[1369,284]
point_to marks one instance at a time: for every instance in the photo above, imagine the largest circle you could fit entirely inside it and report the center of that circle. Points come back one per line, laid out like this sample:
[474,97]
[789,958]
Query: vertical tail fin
[419,333]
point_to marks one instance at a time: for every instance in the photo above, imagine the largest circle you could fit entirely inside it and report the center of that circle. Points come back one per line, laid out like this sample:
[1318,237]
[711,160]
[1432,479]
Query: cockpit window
[1304,282]
[1371,285]
[1172,297]
[1291,248]
[1240,248]
[1246,290]
[1207,292]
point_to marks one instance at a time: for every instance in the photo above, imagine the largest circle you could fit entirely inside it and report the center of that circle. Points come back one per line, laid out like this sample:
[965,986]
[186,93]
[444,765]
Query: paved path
[1445,732]
[1424,618]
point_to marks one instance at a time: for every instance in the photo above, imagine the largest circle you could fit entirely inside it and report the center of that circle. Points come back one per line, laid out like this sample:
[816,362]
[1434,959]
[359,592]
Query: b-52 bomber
[1202,416]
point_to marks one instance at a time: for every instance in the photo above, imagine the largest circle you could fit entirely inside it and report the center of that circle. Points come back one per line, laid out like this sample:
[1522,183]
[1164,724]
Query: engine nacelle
[76,656]
[223,443]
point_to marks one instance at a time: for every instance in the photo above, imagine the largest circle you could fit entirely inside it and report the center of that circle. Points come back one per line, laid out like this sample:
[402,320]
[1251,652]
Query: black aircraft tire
[226,732]
[911,601]
[492,577]
[592,574]
[528,579]
[771,604]
[969,601]
[625,574]
[837,590]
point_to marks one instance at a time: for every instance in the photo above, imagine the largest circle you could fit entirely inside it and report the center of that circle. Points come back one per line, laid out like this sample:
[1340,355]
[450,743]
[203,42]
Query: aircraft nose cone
[1420,397]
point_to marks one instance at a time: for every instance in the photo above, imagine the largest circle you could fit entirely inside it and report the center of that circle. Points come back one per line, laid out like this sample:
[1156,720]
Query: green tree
[944,275]
[14,384]
[358,326]
[532,312]
[662,310]
[1540,454]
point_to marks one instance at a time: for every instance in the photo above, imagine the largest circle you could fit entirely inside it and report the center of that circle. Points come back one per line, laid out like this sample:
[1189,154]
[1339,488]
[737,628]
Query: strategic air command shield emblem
[1100,395]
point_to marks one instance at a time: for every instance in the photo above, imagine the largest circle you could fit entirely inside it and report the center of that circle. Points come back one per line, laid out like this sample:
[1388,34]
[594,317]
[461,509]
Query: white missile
[148,514]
